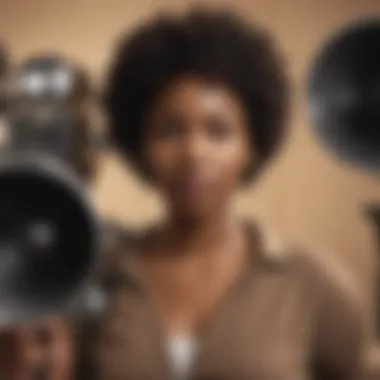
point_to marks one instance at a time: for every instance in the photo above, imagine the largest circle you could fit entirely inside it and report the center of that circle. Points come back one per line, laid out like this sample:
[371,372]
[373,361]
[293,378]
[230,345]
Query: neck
[201,235]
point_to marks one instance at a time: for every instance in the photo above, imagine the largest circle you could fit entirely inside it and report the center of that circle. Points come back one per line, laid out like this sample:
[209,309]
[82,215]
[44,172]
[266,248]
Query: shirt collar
[265,245]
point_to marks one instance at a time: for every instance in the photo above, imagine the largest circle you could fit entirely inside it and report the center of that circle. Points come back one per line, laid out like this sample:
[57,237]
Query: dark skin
[22,354]
[196,149]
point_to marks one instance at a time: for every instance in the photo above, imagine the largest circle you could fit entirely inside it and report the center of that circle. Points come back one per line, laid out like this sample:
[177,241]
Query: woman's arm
[342,339]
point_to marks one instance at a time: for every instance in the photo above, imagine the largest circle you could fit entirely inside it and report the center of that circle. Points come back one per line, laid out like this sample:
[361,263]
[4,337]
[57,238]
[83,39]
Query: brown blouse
[293,316]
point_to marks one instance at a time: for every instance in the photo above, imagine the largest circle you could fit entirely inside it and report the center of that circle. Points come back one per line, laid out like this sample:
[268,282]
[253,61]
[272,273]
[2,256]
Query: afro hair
[212,44]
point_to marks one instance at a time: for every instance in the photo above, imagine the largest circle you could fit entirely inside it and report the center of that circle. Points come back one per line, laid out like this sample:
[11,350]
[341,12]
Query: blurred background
[307,194]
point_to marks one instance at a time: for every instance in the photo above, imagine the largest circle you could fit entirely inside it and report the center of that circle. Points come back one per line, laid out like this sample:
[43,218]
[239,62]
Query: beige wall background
[306,193]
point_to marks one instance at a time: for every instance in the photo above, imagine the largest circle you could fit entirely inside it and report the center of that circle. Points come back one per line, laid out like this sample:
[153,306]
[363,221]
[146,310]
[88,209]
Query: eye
[169,128]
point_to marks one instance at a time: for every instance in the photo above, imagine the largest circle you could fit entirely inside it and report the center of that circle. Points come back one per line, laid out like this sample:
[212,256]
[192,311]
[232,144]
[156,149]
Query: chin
[192,212]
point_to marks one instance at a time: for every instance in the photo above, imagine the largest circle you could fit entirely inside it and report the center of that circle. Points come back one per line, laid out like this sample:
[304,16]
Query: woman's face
[197,146]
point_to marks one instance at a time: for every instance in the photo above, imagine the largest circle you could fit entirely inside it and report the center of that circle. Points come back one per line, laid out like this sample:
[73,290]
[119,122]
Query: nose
[194,149]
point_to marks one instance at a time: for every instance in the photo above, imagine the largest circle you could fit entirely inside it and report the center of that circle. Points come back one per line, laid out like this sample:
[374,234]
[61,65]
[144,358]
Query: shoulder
[318,266]
[329,275]
[341,328]
[327,278]
[318,271]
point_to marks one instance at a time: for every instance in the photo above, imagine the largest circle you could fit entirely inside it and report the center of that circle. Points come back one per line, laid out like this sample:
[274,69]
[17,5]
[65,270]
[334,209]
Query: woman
[197,104]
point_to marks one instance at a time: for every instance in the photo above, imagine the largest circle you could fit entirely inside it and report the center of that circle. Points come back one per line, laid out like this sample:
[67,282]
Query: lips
[193,188]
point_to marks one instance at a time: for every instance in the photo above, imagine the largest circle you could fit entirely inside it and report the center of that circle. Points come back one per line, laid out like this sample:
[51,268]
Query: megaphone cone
[49,238]
[344,94]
